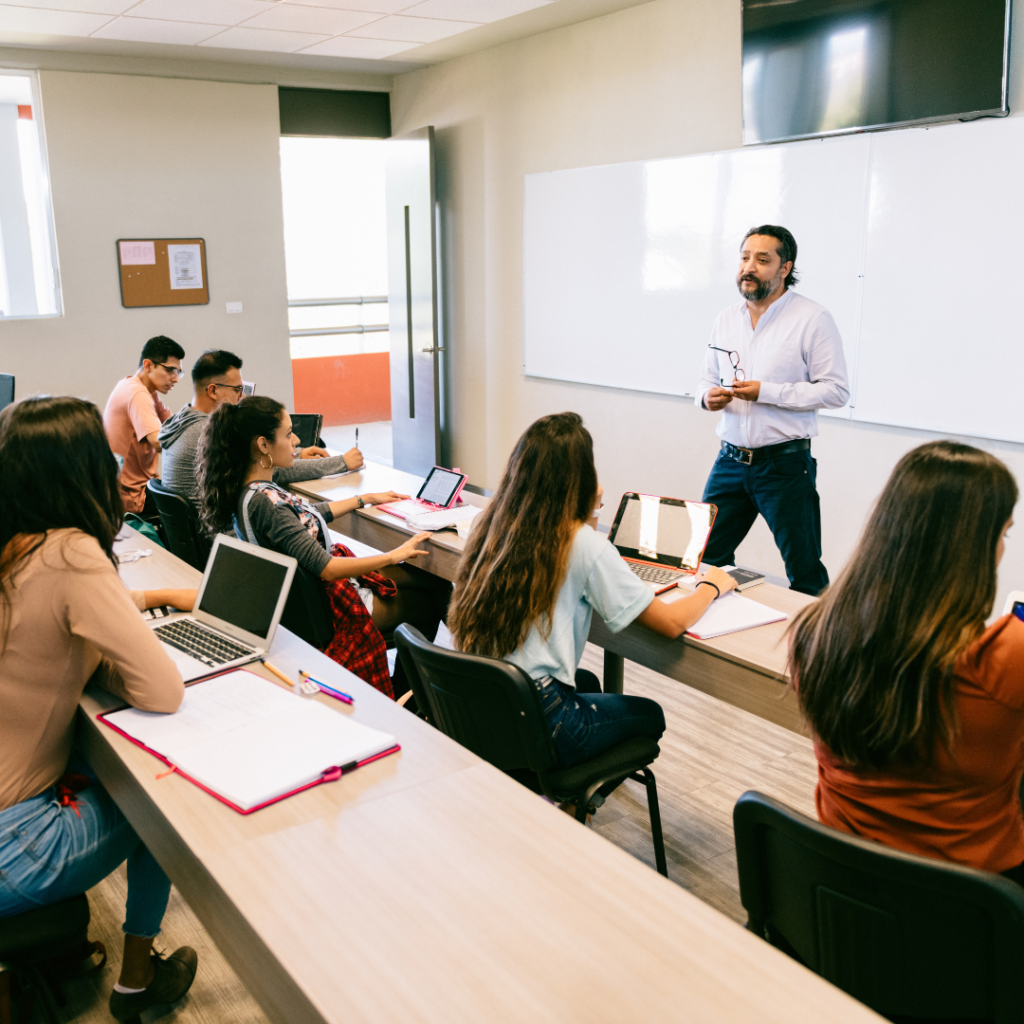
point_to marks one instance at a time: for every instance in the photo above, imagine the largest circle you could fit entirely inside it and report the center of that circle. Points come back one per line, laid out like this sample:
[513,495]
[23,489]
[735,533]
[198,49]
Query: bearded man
[774,359]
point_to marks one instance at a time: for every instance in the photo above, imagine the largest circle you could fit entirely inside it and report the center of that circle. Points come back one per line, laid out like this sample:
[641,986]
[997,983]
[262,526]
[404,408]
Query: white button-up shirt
[797,355]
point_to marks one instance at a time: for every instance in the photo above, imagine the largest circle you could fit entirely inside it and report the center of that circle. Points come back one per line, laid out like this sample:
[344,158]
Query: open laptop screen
[668,531]
[243,589]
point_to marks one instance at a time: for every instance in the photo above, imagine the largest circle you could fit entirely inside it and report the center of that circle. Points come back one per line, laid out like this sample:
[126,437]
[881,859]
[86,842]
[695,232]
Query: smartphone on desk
[1015,604]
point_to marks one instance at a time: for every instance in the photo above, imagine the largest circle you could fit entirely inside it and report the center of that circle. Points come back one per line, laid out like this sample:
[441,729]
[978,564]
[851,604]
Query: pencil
[340,694]
[280,675]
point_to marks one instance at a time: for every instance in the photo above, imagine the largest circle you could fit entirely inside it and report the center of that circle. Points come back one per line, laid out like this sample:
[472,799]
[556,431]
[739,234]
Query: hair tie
[708,583]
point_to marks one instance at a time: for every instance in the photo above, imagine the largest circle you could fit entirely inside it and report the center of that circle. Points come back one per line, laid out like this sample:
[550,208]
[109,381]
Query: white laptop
[662,539]
[237,610]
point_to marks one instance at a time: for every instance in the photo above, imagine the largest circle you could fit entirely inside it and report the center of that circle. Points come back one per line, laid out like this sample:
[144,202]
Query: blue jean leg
[50,853]
[783,490]
[584,725]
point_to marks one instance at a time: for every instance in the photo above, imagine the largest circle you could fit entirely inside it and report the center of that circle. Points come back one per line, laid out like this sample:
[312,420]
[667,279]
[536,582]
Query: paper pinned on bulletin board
[163,272]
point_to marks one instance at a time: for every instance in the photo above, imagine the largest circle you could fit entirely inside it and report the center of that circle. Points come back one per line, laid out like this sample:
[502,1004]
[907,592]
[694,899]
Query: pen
[328,689]
[357,437]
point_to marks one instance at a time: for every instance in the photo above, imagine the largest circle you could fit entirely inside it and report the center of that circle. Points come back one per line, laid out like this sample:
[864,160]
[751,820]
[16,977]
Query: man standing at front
[774,358]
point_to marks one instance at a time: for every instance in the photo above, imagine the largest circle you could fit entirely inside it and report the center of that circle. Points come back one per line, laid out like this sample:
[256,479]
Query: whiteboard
[626,266]
[907,237]
[941,331]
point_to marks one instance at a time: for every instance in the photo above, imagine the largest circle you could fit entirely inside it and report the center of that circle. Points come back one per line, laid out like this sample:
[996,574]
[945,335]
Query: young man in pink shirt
[133,417]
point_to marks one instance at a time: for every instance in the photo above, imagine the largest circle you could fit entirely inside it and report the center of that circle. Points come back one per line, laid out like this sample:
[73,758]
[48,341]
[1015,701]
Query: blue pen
[329,690]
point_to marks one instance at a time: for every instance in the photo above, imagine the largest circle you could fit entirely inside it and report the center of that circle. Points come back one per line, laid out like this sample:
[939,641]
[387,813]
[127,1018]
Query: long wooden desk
[429,887]
[747,670]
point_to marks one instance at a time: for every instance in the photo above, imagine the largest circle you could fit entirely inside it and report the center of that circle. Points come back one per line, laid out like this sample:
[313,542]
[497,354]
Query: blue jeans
[50,853]
[584,723]
[782,489]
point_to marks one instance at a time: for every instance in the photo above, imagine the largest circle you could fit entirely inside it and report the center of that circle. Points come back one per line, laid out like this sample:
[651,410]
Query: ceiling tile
[349,46]
[204,12]
[373,6]
[473,10]
[83,6]
[147,30]
[50,23]
[262,39]
[295,18]
[412,30]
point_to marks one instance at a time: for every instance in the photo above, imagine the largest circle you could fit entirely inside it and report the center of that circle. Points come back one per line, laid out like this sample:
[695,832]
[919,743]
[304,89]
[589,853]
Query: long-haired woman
[66,617]
[917,709]
[240,447]
[533,573]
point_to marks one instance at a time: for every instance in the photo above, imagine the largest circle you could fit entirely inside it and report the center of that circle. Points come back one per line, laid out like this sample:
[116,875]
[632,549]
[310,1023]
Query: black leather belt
[748,456]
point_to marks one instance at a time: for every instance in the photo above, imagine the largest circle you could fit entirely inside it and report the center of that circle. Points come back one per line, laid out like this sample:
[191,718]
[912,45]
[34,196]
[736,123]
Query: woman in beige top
[66,618]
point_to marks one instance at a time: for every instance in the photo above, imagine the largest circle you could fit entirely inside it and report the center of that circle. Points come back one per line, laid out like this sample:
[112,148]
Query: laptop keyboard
[655,574]
[201,642]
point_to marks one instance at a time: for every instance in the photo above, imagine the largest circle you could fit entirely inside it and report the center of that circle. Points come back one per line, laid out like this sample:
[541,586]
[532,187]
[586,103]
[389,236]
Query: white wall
[144,157]
[653,81]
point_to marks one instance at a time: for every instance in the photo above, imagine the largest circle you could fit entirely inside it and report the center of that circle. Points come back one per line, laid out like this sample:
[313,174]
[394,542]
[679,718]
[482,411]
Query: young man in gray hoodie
[217,378]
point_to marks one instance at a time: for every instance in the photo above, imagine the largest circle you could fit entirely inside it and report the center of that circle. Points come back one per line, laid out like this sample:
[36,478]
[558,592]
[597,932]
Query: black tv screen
[821,67]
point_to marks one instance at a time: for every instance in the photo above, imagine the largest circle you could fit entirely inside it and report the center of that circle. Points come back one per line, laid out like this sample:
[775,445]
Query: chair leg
[646,776]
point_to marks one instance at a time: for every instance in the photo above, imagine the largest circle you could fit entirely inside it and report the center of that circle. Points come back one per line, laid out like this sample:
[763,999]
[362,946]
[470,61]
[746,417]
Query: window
[29,282]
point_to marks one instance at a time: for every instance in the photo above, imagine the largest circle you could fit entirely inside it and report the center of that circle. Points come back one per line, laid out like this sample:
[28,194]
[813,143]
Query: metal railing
[358,300]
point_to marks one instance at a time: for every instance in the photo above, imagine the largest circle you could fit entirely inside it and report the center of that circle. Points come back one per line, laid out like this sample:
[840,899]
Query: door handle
[433,348]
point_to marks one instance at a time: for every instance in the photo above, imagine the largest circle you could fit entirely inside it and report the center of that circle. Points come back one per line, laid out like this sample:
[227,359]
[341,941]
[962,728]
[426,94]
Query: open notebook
[249,742]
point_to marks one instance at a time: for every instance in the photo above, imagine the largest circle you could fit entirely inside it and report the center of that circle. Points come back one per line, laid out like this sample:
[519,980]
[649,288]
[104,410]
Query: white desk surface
[429,887]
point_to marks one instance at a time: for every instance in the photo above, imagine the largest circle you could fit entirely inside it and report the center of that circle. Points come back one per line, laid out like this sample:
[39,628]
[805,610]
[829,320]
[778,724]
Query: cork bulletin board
[163,272]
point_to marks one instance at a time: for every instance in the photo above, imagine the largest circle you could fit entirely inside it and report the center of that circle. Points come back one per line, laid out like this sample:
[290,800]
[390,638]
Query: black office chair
[909,936]
[181,528]
[493,708]
[32,941]
[307,612]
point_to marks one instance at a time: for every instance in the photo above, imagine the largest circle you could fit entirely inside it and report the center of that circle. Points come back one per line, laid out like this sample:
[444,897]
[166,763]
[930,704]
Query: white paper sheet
[731,613]
[186,265]
[443,518]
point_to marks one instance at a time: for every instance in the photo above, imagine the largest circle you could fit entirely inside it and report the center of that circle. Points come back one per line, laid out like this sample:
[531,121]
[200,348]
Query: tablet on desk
[440,490]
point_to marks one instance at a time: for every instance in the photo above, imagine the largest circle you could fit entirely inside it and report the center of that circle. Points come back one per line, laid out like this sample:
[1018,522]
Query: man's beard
[762,288]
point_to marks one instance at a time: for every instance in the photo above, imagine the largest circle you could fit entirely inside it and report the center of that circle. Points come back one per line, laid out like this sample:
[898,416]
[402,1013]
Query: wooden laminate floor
[711,753]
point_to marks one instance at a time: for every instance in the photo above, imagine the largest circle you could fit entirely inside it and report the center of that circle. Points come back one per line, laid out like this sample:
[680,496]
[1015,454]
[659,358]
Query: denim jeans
[50,853]
[585,724]
[782,489]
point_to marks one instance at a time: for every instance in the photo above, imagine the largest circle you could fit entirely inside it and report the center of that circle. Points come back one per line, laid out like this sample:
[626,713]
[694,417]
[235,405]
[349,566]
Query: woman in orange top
[917,708]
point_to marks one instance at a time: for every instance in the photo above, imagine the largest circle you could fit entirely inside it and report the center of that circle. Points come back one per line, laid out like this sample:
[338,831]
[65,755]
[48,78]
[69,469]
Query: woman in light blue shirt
[534,572]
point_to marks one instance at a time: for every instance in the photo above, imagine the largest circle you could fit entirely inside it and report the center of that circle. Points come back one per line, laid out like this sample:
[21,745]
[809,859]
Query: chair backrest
[180,521]
[307,612]
[906,935]
[489,706]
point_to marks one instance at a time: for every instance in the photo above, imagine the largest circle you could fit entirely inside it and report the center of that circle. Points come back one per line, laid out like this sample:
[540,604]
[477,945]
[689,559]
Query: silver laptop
[237,610]
[661,539]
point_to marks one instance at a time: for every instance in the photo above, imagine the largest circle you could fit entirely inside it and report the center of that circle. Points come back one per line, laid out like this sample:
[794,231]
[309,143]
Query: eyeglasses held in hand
[734,358]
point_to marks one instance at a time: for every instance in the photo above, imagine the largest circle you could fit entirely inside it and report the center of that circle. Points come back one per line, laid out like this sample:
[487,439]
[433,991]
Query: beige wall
[144,157]
[653,81]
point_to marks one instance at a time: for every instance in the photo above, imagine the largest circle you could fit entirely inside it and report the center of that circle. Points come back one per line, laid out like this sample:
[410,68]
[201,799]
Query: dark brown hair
[786,249]
[873,659]
[56,471]
[518,552]
[225,455]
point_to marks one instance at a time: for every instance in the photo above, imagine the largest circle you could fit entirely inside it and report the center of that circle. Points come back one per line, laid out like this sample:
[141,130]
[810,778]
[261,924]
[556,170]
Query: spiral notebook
[731,613]
[249,742]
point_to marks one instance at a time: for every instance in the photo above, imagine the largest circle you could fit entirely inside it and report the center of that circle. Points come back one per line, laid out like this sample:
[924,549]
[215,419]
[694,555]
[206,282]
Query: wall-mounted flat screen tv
[821,67]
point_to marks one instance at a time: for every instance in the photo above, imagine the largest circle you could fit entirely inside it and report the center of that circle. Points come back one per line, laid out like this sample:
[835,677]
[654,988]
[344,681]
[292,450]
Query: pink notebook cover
[330,775]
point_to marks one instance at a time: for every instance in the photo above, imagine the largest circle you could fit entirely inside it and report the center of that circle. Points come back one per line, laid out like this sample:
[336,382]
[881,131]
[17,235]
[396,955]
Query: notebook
[236,613]
[661,539]
[732,613]
[440,490]
[249,742]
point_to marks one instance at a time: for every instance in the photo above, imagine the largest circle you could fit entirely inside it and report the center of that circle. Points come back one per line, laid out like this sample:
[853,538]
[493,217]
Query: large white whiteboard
[907,237]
